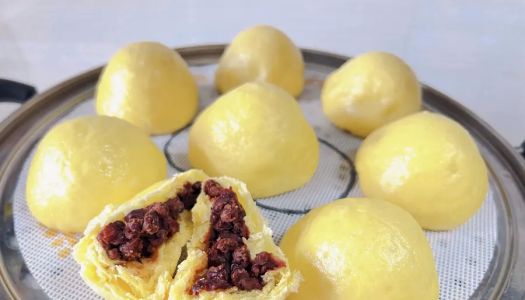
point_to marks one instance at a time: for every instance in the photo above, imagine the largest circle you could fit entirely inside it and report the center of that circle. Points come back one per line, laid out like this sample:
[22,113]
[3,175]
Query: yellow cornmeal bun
[149,85]
[369,91]
[429,165]
[151,278]
[261,53]
[279,283]
[85,163]
[258,134]
[361,249]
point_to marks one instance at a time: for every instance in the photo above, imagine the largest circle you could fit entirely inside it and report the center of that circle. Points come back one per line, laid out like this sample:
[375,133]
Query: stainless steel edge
[514,186]
[15,129]
[13,132]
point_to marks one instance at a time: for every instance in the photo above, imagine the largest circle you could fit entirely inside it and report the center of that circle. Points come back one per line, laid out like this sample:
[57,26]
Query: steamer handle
[12,91]
[521,149]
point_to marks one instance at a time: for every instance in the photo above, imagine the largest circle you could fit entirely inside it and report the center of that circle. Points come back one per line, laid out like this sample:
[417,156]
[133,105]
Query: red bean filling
[144,230]
[229,262]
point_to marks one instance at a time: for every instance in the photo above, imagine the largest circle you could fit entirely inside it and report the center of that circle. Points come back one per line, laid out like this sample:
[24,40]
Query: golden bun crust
[258,134]
[369,91]
[71,180]
[150,86]
[261,53]
[151,278]
[279,283]
[361,249]
[427,164]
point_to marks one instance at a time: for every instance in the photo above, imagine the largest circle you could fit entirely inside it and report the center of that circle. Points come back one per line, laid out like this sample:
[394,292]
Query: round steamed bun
[361,249]
[429,165]
[85,163]
[258,134]
[369,91]
[261,53]
[149,85]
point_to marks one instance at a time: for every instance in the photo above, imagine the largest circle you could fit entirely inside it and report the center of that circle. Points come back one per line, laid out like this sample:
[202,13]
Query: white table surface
[471,50]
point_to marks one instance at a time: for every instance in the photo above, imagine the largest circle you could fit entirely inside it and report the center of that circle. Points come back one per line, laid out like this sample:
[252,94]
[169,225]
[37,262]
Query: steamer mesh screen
[462,255]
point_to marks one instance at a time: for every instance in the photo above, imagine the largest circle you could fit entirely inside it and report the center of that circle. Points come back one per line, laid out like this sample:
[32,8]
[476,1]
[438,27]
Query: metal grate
[462,256]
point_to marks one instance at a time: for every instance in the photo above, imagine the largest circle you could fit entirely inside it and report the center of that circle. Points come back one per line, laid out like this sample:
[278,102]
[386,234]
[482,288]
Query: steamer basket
[483,259]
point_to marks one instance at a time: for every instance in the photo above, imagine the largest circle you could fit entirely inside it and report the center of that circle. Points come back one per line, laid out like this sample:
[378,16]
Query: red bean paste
[144,230]
[229,262]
